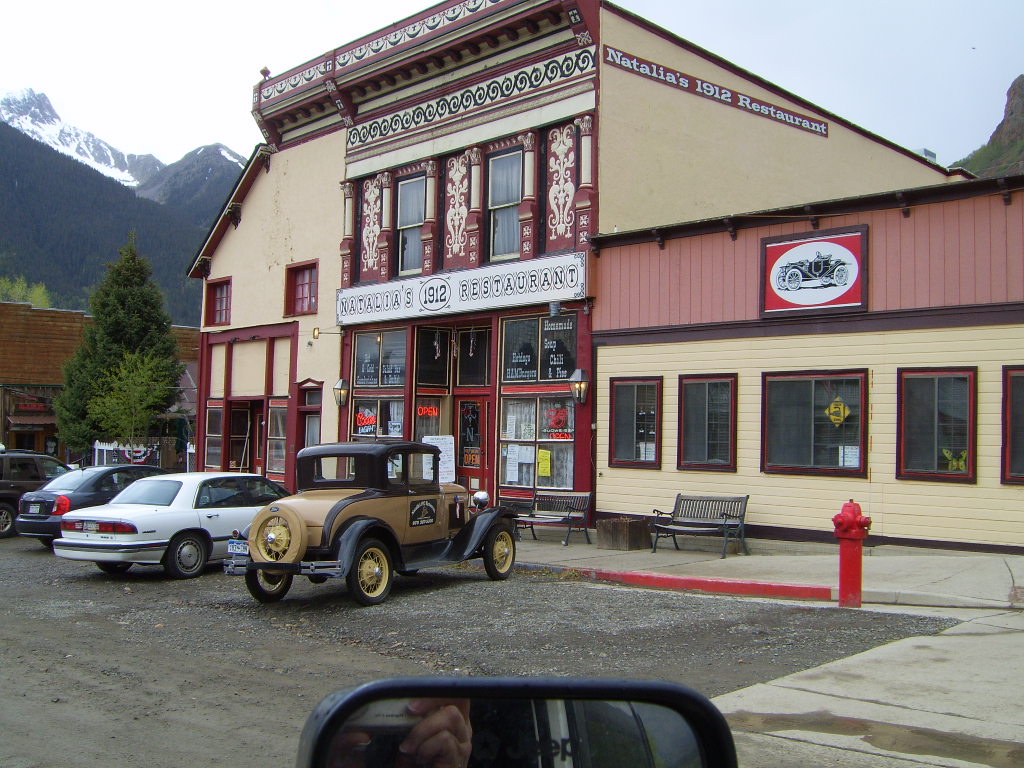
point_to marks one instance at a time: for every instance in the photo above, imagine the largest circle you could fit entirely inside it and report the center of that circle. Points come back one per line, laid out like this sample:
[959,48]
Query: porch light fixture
[580,383]
[341,392]
[554,308]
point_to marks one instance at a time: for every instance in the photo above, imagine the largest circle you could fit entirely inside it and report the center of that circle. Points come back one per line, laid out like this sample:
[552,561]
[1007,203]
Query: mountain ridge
[1003,154]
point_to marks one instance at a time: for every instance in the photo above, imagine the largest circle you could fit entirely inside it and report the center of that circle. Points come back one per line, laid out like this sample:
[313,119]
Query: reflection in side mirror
[516,723]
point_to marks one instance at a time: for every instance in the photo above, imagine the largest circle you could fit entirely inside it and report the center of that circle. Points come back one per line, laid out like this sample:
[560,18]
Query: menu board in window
[519,357]
[392,356]
[367,360]
[558,342]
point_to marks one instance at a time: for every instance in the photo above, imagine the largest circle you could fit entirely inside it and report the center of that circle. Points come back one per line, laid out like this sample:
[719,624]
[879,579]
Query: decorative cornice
[555,72]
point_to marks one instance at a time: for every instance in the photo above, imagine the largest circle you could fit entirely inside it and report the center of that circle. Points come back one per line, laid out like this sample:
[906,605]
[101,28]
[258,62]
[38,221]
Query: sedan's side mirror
[517,723]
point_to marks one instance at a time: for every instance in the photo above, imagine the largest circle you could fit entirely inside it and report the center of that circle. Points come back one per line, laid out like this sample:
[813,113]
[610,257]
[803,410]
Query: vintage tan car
[363,511]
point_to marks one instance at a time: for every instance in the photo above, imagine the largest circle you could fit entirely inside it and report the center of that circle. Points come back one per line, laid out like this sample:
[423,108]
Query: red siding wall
[961,252]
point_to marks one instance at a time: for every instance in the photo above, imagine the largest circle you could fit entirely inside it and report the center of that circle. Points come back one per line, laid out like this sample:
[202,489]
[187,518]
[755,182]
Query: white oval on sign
[813,273]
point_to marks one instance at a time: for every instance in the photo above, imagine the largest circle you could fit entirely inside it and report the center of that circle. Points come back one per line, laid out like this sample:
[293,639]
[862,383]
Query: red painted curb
[721,586]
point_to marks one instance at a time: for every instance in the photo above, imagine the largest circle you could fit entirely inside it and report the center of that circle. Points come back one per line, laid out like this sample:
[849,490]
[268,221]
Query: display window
[636,423]
[815,423]
[936,434]
[707,422]
[537,442]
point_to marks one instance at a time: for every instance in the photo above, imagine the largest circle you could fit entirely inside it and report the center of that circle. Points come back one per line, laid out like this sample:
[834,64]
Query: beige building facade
[408,255]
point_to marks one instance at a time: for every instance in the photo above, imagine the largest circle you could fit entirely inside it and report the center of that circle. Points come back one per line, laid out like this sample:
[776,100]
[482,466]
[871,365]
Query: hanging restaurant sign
[814,272]
[689,84]
[515,284]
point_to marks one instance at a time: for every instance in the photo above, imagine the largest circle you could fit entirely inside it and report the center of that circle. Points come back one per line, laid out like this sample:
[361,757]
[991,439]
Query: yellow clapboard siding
[982,512]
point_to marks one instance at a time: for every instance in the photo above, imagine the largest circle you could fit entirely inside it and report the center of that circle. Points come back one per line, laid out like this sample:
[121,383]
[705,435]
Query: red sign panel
[814,272]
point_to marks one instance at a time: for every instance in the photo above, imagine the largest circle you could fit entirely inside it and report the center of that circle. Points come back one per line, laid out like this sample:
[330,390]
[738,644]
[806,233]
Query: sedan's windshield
[69,481]
[145,491]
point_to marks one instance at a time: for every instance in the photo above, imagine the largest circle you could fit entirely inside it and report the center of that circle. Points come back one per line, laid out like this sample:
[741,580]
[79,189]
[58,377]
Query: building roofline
[904,199]
[780,91]
[259,160]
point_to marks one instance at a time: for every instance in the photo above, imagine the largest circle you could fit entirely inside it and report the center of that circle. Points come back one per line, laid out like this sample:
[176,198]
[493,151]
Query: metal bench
[702,516]
[552,508]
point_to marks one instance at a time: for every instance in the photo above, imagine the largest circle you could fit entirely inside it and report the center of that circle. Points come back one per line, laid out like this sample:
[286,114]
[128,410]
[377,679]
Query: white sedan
[181,521]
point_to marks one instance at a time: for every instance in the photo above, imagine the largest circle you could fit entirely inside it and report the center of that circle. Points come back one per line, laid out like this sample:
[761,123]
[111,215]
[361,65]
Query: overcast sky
[165,78]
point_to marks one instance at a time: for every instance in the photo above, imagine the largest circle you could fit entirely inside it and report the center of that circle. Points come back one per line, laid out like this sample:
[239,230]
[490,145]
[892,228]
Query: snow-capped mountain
[34,115]
[195,186]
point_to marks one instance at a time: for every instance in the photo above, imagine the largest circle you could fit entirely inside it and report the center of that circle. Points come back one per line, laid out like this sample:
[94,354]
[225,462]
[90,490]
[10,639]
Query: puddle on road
[892,738]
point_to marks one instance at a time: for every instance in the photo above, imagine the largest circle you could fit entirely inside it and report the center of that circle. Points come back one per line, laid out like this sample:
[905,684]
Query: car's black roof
[374,448]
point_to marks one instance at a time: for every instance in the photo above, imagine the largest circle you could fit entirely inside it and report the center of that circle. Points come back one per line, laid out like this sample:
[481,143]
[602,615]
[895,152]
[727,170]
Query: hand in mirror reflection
[435,733]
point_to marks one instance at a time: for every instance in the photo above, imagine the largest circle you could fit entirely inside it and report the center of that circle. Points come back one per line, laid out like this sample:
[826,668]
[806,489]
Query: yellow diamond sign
[838,411]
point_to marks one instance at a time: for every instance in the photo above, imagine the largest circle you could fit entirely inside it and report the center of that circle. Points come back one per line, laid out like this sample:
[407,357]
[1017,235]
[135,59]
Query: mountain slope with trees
[1003,155]
[61,223]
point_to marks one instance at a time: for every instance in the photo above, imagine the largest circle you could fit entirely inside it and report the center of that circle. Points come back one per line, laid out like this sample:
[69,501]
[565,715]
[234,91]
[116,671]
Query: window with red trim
[814,423]
[636,423]
[1013,424]
[936,430]
[707,422]
[301,288]
[218,302]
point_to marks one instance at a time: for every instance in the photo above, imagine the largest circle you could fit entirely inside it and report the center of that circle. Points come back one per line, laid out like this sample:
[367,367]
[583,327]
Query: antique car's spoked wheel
[274,538]
[268,587]
[370,576]
[499,552]
[278,535]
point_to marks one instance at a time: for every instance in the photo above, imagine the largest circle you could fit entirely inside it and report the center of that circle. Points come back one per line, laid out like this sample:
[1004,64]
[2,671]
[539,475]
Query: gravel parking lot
[138,669]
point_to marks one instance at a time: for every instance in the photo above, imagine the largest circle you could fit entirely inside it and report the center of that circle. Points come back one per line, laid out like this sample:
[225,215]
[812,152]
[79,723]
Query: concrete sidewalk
[892,575]
[953,699]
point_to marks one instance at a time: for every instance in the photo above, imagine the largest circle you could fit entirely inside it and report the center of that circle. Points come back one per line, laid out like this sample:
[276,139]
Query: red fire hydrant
[851,530]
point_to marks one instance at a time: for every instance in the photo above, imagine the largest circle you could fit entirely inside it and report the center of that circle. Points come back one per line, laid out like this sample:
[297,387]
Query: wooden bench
[702,516]
[553,508]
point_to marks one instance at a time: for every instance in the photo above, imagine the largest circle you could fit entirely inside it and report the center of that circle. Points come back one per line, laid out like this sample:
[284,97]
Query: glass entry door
[471,455]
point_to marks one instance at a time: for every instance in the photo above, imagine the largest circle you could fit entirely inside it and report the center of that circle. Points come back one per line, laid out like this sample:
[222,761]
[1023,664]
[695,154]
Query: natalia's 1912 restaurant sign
[816,272]
[516,284]
[681,81]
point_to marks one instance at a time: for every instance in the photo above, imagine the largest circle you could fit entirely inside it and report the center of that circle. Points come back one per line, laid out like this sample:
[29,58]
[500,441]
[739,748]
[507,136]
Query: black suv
[20,472]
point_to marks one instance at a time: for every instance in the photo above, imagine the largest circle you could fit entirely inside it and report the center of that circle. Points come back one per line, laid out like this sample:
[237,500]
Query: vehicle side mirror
[516,723]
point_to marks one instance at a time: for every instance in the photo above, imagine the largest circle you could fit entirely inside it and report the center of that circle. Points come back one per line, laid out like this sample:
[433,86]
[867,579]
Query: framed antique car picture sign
[814,272]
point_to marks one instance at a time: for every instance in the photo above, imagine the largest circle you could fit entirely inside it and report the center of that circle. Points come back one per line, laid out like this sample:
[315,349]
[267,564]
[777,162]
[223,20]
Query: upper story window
[936,433]
[815,423]
[504,193]
[301,289]
[412,199]
[218,302]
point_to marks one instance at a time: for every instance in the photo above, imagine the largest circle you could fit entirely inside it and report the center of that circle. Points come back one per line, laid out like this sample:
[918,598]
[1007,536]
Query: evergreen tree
[128,317]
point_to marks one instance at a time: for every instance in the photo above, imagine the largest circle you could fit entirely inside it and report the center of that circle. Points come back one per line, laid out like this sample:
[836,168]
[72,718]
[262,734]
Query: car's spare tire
[277,535]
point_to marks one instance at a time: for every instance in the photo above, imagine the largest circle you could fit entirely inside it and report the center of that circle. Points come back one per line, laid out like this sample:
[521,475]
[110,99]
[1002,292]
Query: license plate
[33,509]
[90,525]
[238,547]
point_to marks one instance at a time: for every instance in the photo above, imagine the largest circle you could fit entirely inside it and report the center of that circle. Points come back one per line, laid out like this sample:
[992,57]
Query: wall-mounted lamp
[580,383]
[554,308]
[341,392]
[317,333]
